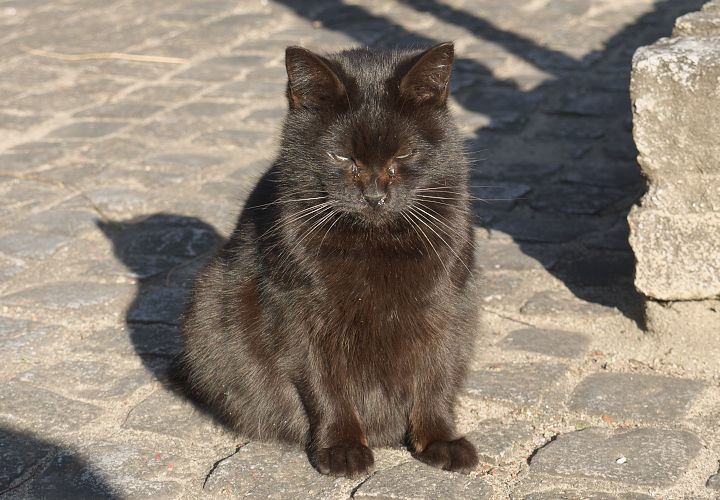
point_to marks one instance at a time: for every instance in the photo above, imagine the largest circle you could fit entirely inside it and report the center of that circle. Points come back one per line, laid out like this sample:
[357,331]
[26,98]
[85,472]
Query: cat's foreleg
[433,439]
[337,444]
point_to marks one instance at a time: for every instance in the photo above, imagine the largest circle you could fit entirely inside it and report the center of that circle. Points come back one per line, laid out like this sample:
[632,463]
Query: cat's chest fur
[379,308]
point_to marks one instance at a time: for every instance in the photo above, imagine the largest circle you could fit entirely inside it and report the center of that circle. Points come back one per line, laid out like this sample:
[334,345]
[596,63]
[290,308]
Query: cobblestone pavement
[117,177]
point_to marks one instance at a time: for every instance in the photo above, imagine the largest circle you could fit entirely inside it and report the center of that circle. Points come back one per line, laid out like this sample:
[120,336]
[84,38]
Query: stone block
[705,23]
[653,457]
[675,98]
[676,253]
[675,232]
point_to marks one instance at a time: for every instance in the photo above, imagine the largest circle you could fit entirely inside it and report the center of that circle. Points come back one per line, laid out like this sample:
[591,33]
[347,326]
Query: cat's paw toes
[456,456]
[351,460]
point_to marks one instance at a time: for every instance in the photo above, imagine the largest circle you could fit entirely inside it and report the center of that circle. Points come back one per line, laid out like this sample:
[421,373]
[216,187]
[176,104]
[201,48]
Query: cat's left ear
[428,80]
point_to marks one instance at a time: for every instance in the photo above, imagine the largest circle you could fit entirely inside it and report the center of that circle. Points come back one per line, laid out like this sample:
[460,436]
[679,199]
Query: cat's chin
[377,217]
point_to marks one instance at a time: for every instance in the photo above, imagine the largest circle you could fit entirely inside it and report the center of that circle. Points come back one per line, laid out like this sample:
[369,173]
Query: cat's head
[370,128]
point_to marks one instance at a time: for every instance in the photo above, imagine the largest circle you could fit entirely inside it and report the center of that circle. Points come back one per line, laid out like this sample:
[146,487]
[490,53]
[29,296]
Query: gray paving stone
[626,177]
[530,173]
[120,110]
[24,339]
[19,454]
[64,99]
[575,199]
[85,130]
[498,195]
[591,104]
[520,384]
[615,238]
[207,108]
[169,93]
[118,200]
[268,471]
[252,89]
[654,457]
[554,303]
[557,343]
[713,482]
[31,245]
[413,480]
[115,150]
[620,149]
[495,440]
[185,159]
[595,269]
[10,267]
[155,339]
[11,328]
[68,295]
[543,229]
[499,287]
[635,396]
[168,241]
[507,256]
[19,122]
[158,305]
[585,495]
[234,138]
[68,222]
[273,115]
[166,413]
[507,108]
[104,471]
[88,379]
[543,102]
[44,411]
[207,72]
[573,128]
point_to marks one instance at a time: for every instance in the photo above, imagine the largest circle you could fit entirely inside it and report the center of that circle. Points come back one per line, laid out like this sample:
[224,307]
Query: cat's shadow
[163,252]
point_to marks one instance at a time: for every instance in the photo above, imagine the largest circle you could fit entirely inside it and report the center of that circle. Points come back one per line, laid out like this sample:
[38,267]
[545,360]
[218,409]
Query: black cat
[341,312]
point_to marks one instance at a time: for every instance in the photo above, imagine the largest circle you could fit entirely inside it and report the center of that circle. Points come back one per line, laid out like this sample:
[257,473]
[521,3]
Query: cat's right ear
[312,84]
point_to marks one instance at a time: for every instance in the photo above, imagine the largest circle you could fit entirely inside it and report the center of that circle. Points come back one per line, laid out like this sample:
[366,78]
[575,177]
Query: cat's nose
[374,199]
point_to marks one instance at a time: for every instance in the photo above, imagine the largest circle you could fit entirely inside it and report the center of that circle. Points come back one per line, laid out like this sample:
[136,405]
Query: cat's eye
[407,154]
[338,157]
[354,170]
[392,171]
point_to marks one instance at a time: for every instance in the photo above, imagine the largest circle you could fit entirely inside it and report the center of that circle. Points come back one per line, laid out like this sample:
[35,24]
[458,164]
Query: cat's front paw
[349,460]
[456,456]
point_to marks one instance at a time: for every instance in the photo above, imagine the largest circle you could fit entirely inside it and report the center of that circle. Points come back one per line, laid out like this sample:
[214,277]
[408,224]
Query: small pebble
[621,460]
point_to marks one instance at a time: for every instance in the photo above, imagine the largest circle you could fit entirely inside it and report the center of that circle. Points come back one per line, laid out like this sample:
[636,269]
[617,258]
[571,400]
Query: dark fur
[355,333]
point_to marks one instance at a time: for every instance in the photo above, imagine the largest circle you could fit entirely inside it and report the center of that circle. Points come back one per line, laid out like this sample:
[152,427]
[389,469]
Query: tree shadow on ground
[35,468]
[569,213]
[561,175]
